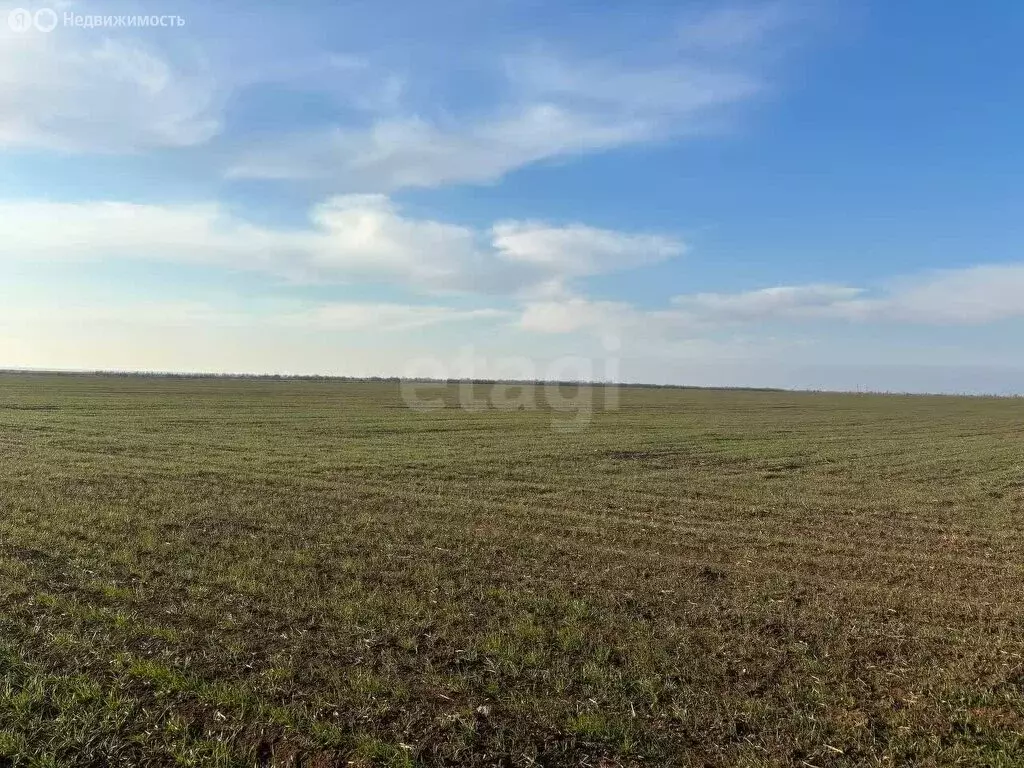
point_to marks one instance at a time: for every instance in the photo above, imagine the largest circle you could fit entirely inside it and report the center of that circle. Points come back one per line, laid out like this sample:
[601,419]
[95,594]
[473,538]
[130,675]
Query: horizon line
[339,378]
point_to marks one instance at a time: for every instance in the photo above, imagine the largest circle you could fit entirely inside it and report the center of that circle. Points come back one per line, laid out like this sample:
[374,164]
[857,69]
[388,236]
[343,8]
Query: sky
[821,195]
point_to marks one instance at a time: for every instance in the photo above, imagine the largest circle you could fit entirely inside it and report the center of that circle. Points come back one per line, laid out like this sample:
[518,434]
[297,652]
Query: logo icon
[20,20]
[45,19]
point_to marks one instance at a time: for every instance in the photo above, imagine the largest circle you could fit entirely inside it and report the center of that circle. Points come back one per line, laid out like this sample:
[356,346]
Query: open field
[226,572]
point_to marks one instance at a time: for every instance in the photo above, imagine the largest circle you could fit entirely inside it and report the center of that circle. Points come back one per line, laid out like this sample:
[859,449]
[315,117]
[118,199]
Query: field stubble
[227,572]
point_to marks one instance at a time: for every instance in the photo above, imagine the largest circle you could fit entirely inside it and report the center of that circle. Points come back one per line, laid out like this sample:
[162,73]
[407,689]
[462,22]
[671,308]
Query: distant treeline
[365,379]
[521,382]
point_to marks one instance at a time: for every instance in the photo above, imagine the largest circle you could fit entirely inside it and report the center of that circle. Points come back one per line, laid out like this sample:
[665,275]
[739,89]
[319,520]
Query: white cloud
[385,317]
[544,106]
[766,303]
[579,249]
[413,152]
[104,91]
[351,237]
[39,230]
[575,314]
[74,93]
[967,296]
[365,235]
[981,294]
[654,93]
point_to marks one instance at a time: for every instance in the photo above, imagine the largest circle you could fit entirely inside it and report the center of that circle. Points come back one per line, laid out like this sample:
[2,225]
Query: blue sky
[806,194]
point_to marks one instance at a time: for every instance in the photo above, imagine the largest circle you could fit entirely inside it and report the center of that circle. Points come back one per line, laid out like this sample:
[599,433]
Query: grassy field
[226,572]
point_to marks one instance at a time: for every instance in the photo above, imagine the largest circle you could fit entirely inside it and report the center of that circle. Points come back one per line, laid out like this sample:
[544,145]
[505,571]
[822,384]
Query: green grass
[226,572]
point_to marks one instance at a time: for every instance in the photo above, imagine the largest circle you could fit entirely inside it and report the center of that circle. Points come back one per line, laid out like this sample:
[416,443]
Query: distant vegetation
[352,379]
[252,571]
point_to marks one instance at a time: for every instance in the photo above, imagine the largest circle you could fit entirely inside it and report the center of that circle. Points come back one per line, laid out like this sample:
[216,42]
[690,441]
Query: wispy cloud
[967,296]
[577,250]
[116,91]
[349,237]
[786,301]
[547,104]
[355,316]
[415,152]
[341,316]
[92,93]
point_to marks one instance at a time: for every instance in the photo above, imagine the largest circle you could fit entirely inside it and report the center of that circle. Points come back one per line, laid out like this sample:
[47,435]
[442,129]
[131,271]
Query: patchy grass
[239,573]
